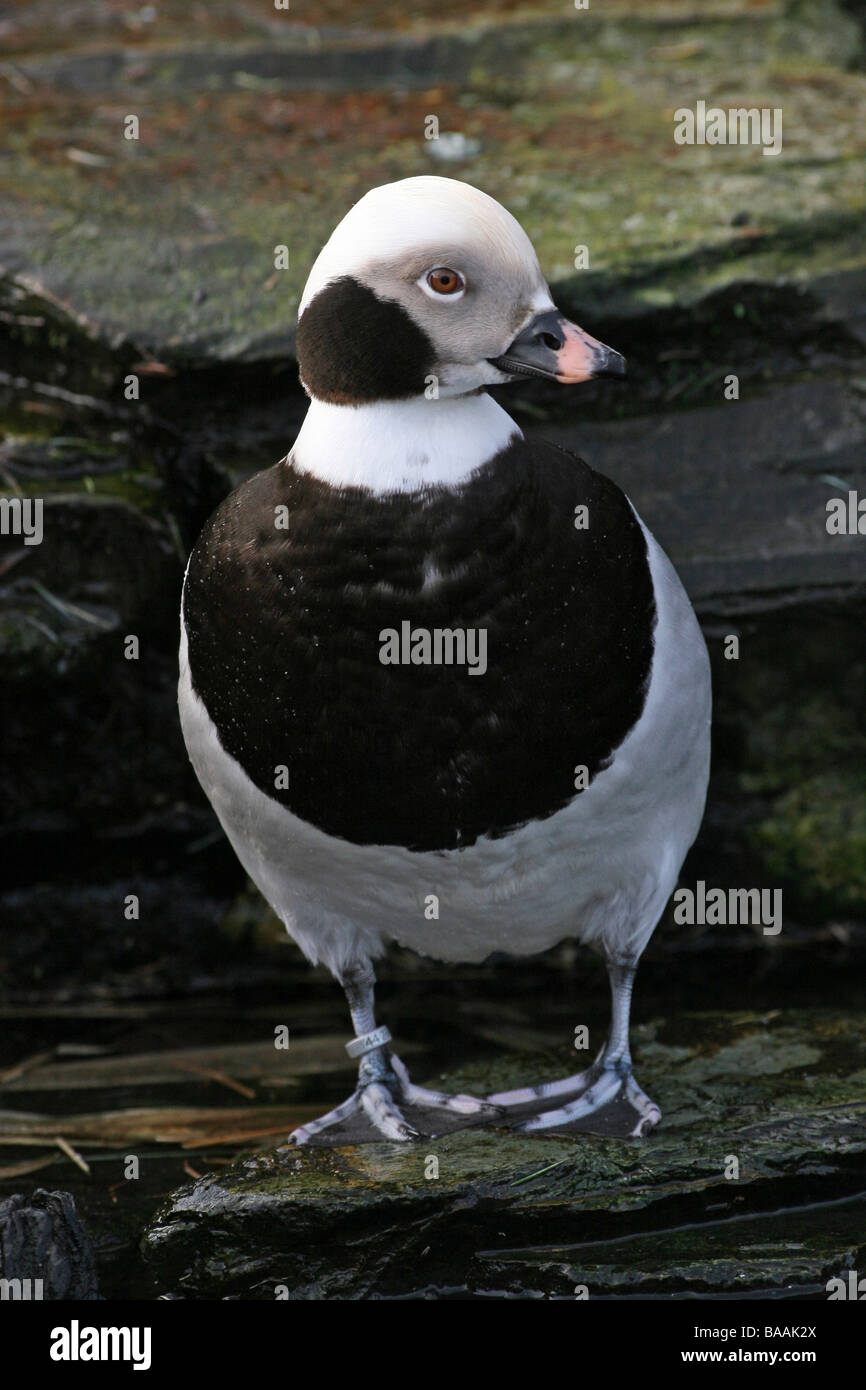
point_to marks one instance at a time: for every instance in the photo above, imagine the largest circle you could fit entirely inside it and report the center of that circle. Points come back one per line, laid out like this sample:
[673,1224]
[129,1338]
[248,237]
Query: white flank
[600,870]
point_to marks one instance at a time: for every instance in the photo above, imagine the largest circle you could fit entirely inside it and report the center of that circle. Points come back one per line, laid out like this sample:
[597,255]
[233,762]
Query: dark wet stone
[42,1239]
[777,1099]
[737,492]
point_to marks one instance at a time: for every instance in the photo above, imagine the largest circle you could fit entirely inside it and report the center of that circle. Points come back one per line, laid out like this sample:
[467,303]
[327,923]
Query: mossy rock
[790,753]
[814,839]
[169,239]
[761,1113]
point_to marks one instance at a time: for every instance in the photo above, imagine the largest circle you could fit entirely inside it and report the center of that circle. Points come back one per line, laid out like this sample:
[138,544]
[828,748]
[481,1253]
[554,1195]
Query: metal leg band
[368,1042]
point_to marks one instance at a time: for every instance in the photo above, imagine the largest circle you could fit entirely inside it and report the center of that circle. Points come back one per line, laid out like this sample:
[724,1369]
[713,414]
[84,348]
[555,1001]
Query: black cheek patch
[354,347]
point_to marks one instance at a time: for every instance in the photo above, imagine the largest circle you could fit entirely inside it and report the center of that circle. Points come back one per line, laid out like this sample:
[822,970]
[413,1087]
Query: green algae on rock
[170,238]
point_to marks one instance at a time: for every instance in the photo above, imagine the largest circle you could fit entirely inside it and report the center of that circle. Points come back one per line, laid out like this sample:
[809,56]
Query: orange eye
[445,281]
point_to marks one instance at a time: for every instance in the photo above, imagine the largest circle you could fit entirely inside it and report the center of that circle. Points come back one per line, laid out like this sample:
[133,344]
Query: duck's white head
[430,287]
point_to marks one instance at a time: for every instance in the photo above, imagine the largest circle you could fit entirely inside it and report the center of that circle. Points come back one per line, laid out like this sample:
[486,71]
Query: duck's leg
[374,1110]
[604,1099]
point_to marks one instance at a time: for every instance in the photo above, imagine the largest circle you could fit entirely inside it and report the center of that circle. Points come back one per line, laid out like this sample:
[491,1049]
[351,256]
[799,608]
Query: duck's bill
[553,347]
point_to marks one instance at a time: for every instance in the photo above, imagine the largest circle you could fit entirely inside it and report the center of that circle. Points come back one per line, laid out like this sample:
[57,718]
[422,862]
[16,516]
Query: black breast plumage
[285,627]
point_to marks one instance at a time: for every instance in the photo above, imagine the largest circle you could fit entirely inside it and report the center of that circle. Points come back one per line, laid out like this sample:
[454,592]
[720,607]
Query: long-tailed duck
[439,682]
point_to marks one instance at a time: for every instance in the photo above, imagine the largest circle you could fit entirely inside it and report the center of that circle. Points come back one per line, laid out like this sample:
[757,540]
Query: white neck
[402,446]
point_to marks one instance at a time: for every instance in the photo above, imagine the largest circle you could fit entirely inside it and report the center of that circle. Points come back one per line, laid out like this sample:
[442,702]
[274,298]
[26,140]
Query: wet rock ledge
[749,1187]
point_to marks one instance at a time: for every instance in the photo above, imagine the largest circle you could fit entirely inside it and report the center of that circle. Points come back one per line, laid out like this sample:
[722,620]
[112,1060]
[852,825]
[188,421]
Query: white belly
[600,870]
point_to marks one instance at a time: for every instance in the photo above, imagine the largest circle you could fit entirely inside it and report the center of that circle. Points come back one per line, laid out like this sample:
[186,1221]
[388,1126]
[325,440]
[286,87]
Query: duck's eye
[444,281]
